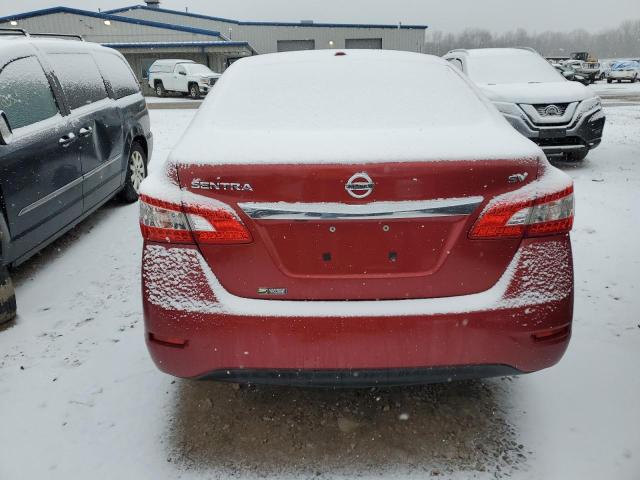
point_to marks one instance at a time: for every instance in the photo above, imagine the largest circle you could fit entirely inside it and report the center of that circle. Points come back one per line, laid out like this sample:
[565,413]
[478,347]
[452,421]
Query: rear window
[118,74]
[25,94]
[344,93]
[80,78]
[495,68]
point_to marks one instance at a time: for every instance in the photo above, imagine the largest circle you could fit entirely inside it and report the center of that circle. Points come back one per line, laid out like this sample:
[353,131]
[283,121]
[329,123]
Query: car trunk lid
[359,231]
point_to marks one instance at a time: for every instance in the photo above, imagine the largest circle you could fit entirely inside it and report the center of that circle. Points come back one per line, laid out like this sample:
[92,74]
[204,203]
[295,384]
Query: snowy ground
[617,94]
[80,398]
[173,102]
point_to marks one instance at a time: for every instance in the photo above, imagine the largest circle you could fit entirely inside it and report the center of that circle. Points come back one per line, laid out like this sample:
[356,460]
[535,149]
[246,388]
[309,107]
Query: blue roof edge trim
[267,24]
[107,16]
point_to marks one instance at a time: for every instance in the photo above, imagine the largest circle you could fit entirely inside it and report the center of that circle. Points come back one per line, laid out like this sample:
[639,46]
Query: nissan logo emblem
[360,185]
[552,111]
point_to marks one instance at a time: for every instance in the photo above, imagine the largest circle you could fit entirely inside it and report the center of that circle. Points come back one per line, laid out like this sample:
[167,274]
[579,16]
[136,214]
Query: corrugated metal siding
[265,38]
[94,29]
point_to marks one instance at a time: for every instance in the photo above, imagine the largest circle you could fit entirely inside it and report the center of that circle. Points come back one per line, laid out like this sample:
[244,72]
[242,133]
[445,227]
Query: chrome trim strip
[51,196]
[68,186]
[369,211]
[102,167]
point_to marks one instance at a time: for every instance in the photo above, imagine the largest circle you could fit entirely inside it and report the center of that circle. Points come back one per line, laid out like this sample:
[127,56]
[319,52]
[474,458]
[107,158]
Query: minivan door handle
[86,131]
[67,139]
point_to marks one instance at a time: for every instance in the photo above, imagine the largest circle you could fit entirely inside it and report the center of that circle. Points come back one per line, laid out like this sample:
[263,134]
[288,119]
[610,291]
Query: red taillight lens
[166,222]
[163,222]
[548,215]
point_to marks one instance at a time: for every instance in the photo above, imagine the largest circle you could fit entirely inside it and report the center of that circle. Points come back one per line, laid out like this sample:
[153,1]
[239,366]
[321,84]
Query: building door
[294,45]
[364,43]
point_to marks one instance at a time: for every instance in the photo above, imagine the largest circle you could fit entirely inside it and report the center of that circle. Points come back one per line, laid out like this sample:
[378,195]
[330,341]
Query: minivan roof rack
[9,31]
[61,35]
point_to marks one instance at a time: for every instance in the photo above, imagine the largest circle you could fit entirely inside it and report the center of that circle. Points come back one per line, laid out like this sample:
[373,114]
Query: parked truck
[181,76]
[585,64]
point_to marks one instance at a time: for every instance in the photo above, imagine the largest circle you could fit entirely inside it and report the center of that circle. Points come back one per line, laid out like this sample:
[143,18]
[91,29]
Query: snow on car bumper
[194,328]
[623,75]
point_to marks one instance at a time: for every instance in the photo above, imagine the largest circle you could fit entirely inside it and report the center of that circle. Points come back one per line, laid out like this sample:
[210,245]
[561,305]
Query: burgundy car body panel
[360,259]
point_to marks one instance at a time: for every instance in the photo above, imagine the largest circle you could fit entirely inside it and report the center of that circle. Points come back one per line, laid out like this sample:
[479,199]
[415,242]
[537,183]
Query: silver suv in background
[565,118]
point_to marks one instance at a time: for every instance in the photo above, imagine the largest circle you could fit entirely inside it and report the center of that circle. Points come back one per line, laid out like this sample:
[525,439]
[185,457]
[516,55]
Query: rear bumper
[622,75]
[195,330]
[361,378]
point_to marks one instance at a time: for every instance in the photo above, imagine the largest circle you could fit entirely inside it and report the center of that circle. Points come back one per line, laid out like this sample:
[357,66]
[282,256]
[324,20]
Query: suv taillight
[167,222]
[550,214]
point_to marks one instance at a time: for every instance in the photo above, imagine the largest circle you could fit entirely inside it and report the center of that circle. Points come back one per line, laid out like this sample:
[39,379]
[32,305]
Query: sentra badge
[198,184]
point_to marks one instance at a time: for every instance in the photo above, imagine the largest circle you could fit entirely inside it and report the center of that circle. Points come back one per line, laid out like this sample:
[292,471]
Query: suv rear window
[118,74]
[25,93]
[80,78]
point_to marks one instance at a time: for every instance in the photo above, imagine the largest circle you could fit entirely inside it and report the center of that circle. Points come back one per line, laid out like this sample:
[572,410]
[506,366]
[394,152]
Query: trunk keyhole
[393,256]
[326,257]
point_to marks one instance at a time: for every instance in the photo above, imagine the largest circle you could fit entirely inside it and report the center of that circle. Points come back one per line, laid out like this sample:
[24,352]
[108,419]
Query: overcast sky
[446,15]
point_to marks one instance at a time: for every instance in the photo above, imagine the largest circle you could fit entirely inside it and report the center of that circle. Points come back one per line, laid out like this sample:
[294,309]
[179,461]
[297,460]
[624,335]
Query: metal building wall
[264,38]
[95,30]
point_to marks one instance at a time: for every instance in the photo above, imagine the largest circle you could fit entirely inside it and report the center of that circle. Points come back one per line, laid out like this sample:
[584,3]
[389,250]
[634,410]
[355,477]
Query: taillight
[167,222]
[550,214]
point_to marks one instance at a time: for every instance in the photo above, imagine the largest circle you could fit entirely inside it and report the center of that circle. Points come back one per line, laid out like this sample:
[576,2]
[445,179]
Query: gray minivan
[74,132]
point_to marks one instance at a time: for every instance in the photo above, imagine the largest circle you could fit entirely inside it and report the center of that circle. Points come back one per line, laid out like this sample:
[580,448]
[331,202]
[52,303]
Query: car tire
[194,91]
[577,156]
[136,172]
[7,297]
[160,91]
[609,80]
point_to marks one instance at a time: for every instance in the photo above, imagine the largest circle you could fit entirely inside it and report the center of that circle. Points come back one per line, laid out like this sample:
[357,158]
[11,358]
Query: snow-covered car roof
[354,106]
[10,42]
[626,64]
[499,52]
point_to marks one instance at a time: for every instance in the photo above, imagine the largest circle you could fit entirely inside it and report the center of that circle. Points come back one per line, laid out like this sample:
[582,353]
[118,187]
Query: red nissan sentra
[354,218]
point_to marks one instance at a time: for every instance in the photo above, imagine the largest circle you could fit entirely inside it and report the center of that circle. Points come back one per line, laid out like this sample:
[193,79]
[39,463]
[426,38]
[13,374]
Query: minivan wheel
[7,297]
[136,173]
[160,91]
[194,91]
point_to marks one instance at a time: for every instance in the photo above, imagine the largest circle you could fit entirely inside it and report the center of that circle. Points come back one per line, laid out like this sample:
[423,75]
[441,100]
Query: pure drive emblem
[360,185]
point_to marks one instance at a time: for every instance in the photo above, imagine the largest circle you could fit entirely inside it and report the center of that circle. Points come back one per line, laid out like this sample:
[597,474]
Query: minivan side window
[118,74]
[25,93]
[80,78]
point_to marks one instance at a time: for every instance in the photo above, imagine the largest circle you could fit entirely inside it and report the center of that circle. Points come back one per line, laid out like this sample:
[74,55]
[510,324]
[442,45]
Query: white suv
[564,118]
[181,76]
